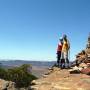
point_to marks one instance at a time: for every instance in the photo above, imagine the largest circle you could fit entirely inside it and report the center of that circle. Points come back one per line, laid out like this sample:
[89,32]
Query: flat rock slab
[63,80]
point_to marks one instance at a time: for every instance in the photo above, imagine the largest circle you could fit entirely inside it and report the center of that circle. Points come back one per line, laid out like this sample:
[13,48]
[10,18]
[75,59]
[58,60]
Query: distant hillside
[38,67]
[14,63]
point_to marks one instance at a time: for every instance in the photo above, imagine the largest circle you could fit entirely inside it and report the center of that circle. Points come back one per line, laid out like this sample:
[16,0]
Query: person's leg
[58,59]
[62,61]
[67,60]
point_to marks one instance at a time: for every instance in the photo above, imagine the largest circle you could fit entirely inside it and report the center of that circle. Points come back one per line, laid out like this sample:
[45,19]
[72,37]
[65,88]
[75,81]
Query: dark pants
[58,57]
[67,60]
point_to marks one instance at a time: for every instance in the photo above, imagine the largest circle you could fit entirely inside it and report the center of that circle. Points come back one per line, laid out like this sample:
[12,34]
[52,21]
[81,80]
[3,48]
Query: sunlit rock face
[88,48]
[83,60]
[88,44]
[88,54]
[85,54]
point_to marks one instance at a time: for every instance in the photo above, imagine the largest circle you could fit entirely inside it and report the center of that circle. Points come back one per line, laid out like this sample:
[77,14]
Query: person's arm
[68,44]
[57,48]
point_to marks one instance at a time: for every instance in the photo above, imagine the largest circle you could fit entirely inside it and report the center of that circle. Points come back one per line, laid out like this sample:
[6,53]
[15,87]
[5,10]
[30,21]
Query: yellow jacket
[66,46]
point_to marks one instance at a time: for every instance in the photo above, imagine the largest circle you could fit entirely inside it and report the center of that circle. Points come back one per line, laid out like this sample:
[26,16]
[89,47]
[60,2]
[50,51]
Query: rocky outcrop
[61,79]
[82,61]
[7,85]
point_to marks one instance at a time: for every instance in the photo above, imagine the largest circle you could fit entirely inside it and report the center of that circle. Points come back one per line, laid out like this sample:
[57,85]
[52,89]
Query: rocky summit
[75,78]
[61,79]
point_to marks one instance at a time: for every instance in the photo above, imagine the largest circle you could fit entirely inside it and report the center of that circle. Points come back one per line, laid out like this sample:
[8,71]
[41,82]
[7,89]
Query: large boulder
[75,70]
[7,85]
[86,71]
[83,65]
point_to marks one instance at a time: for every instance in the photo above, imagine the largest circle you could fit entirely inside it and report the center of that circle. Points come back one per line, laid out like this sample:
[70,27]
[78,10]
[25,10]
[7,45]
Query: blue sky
[30,29]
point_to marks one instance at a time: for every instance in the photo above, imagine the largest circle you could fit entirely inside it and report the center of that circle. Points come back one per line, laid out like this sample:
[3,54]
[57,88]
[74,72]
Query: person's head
[64,36]
[61,40]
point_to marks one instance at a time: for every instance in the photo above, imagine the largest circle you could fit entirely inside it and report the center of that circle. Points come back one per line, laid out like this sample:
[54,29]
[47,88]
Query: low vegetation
[22,75]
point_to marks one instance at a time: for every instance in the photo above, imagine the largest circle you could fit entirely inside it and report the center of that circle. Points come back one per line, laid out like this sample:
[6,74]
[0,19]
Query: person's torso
[65,46]
[59,47]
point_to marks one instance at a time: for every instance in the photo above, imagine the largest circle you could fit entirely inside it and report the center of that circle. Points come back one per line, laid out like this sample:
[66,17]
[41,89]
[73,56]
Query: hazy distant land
[38,67]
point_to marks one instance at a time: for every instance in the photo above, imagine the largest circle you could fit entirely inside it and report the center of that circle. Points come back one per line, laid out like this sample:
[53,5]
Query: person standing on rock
[65,51]
[59,51]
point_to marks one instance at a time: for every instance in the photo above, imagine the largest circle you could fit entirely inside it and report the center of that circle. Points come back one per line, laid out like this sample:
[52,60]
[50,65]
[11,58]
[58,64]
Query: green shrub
[3,73]
[20,75]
